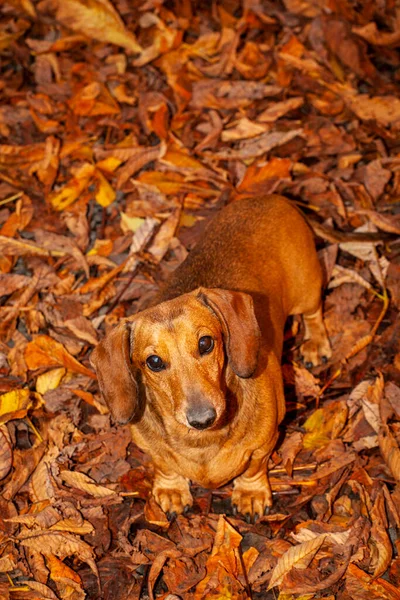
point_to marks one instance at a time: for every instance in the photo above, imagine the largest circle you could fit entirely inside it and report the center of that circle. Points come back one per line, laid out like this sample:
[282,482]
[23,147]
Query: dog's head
[179,349]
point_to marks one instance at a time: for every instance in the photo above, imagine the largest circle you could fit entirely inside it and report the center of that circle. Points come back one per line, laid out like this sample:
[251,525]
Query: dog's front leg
[171,491]
[252,495]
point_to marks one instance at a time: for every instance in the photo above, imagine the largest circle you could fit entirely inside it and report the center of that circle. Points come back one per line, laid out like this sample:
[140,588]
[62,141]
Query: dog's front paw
[316,351]
[251,497]
[173,495]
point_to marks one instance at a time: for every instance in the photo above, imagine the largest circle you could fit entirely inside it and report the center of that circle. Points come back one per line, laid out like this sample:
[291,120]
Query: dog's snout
[201,417]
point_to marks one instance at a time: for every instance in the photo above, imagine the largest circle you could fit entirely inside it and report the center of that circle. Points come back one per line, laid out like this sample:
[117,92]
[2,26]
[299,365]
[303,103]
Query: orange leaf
[43,351]
[256,175]
[97,19]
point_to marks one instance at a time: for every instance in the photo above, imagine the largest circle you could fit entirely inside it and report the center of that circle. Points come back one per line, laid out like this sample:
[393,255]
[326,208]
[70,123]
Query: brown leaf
[298,556]
[6,455]
[385,110]
[97,19]
[224,564]
[11,247]
[83,482]
[379,537]
[59,544]
[389,450]
[24,462]
[363,586]
[259,145]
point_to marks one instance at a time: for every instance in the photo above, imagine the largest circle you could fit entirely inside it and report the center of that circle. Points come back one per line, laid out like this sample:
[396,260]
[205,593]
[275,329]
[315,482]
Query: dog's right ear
[112,362]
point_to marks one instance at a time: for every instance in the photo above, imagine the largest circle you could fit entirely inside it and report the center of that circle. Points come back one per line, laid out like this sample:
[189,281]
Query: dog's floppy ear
[112,362]
[240,329]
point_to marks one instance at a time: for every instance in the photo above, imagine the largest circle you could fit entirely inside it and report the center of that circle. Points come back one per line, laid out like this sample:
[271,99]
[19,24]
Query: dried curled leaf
[86,484]
[97,19]
[12,247]
[42,485]
[390,451]
[298,556]
[60,544]
[44,351]
[5,452]
[379,538]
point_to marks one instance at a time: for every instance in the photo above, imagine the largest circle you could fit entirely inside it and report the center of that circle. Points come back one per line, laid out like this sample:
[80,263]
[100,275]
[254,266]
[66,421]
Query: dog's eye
[206,344]
[155,363]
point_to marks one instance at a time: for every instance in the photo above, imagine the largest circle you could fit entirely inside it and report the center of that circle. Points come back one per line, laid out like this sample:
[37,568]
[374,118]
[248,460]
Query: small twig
[16,196]
[35,431]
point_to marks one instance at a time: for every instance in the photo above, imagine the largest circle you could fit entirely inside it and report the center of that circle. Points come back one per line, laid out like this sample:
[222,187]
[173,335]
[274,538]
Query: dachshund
[198,373]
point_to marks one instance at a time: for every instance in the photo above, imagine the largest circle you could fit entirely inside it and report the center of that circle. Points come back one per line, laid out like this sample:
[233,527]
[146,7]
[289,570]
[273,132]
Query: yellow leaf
[73,189]
[50,380]
[108,165]
[181,159]
[130,223]
[325,424]
[97,19]
[14,405]
[101,248]
[105,194]
[187,220]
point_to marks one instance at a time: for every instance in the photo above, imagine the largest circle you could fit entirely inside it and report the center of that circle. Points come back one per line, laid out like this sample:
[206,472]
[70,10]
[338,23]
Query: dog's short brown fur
[255,265]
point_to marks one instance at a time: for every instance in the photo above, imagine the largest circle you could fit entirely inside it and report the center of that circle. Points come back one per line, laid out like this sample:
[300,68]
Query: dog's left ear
[240,329]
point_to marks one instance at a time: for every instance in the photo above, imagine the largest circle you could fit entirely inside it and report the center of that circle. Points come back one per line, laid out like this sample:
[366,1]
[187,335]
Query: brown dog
[199,372]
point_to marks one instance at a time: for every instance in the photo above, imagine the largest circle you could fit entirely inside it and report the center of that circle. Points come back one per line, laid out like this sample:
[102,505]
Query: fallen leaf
[86,484]
[44,351]
[6,454]
[97,19]
[298,556]
[59,544]
[15,405]
[389,450]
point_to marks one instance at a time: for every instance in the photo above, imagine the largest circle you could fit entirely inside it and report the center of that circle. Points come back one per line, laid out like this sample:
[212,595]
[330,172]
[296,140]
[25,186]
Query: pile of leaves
[124,126]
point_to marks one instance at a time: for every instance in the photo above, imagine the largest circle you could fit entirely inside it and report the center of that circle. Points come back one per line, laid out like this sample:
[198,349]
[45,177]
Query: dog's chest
[212,467]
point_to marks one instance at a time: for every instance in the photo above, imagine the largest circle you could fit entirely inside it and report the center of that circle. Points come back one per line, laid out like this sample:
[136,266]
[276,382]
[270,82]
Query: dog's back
[261,246]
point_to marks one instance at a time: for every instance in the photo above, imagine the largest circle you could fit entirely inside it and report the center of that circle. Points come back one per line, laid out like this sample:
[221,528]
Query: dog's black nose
[201,417]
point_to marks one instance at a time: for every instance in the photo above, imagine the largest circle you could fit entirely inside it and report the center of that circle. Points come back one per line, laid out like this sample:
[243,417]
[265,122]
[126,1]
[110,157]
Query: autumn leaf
[86,484]
[389,450]
[50,380]
[379,538]
[298,556]
[6,454]
[71,191]
[324,424]
[97,19]
[224,564]
[60,544]
[44,351]
[15,405]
